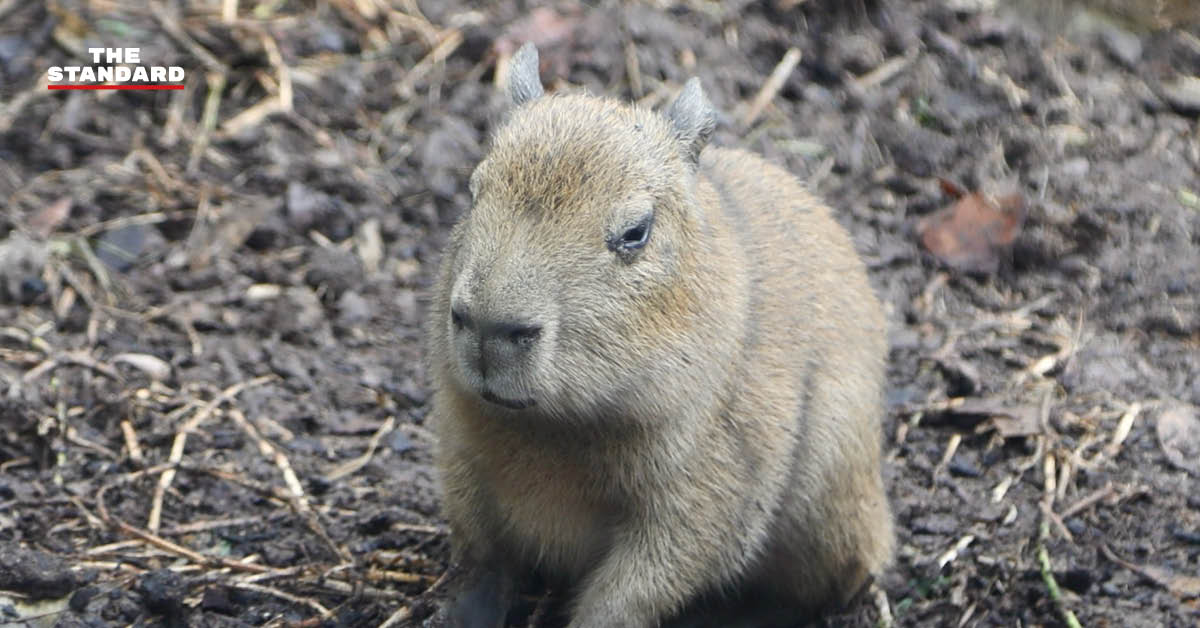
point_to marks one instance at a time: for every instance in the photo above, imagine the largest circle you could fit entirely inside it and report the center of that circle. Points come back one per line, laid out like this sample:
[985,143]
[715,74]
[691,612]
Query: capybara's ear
[524,84]
[693,118]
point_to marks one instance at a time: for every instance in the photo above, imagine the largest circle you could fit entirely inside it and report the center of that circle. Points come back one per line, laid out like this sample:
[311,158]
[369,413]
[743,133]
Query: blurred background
[212,392]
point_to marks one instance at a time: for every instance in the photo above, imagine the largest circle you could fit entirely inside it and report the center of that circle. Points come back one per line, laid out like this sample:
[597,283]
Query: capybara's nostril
[458,317]
[520,334]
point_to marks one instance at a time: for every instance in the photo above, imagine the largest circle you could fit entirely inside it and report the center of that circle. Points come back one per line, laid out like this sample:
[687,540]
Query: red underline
[114,87]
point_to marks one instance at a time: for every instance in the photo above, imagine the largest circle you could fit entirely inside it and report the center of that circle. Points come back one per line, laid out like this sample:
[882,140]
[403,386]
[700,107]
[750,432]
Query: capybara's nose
[521,334]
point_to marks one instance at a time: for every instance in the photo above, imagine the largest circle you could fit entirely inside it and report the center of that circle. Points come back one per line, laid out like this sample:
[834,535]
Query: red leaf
[544,26]
[973,233]
[47,219]
[951,189]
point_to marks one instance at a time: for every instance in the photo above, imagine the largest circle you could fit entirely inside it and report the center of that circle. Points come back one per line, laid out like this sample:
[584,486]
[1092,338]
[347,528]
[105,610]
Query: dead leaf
[217,239]
[552,32]
[1184,94]
[263,292]
[951,189]
[544,26]
[1180,585]
[369,245]
[972,234]
[47,219]
[1178,430]
[1019,422]
[152,366]
[1009,421]
[984,412]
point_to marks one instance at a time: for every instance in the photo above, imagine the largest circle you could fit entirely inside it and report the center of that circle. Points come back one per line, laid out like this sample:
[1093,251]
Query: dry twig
[354,464]
[1090,500]
[771,87]
[1124,425]
[180,442]
[449,41]
[208,119]
[283,595]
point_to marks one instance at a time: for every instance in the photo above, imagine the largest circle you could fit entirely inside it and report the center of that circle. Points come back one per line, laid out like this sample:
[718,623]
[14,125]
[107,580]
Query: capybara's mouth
[513,404]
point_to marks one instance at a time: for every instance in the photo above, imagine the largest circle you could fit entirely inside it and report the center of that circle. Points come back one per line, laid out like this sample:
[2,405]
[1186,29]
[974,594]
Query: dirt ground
[211,388]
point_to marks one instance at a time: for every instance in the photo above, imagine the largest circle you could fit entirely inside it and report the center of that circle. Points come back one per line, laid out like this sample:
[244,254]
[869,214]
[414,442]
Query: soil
[210,299]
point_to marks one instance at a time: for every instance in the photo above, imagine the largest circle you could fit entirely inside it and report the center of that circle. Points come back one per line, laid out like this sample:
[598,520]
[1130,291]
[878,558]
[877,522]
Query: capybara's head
[574,278]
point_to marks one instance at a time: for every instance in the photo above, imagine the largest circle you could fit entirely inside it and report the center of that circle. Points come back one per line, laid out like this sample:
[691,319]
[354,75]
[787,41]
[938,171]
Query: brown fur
[706,415]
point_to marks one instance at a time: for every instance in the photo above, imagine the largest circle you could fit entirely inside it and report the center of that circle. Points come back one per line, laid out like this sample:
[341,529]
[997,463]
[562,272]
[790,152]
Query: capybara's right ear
[693,117]
[524,84]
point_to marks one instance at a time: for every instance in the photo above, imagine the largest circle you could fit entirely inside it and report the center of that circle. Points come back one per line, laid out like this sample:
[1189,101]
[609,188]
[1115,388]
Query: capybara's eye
[634,237]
